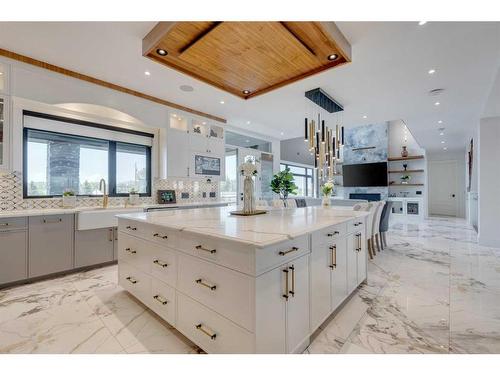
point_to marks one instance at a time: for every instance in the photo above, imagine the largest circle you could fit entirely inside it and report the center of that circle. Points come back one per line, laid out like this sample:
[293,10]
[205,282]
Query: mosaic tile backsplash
[11,194]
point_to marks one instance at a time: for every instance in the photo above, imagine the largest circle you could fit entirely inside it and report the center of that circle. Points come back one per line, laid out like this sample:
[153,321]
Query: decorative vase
[69,201]
[133,199]
[405,166]
[404,152]
[248,195]
[326,201]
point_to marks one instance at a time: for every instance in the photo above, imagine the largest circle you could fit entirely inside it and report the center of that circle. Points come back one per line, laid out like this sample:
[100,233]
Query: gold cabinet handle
[333,256]
[334,233]
[358,236]
[160,263]
[158,235]
[131,228]
[110,235]
[160,299]
[203,283]
[283,253]
[200,247]
[132,280]
[129,250]
[206,332]
[287,291]
[292,291]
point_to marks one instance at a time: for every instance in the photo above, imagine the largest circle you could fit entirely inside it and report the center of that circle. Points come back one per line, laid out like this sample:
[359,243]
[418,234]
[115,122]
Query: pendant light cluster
[324,143]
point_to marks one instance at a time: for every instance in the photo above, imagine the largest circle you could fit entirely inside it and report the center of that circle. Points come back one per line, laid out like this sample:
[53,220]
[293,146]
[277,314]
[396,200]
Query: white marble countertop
[276,226]
[139,208]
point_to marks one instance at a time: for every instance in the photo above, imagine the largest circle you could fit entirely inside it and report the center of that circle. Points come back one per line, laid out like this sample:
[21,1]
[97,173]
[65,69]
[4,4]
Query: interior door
[443,188]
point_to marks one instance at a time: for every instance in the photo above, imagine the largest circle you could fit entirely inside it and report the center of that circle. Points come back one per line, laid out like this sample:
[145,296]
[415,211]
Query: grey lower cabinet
[94,246]
[13,250]
[50,244]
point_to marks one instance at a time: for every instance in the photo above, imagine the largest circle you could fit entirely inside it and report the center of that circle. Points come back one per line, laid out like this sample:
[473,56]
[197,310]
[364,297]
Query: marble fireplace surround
[11,194]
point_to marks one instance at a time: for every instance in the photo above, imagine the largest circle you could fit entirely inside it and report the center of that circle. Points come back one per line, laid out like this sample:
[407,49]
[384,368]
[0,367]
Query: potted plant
[133,196]
[327,190]
[405,179]
[69,199]
[283,184]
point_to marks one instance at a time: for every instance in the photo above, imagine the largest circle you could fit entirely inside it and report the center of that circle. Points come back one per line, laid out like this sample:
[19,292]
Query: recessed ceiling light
[248,122]
[442,142]
[365,116]
[174,115]
[186,88]
[247,141]
[332,57]
[421,23]
[445,148]
[441,133]
[161,52]
[432,71]
[440,121]
[222,102]
[246,92]
[437,103]
[282,133]
[147,73]
[204,123]
[1,73]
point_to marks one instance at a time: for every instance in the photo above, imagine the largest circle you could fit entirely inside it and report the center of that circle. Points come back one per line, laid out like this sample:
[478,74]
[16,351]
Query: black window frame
[111,183]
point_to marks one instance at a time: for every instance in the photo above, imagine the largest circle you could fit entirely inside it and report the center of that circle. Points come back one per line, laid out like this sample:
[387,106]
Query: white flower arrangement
[327,188]
[248,169]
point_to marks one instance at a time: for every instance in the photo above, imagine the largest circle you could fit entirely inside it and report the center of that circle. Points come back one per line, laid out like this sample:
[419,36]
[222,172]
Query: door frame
[457,187]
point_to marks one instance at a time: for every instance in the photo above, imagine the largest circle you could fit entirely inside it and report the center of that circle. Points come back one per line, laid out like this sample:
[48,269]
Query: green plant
[283,184]
[68,193]
[327,188]
[133,191]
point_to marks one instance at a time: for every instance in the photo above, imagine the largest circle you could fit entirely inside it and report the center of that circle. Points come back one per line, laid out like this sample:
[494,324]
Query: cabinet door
[339,273]
[13,256]
[198,143]
[270,309]
[50,244]
[93,246]
[177,153]
[115,243]
[298,328]
[352,262]
[321,262]
[216,146]
[362,259]
[4,129]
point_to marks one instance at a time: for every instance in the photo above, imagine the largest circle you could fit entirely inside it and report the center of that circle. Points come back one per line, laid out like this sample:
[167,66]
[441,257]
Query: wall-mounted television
[369,174]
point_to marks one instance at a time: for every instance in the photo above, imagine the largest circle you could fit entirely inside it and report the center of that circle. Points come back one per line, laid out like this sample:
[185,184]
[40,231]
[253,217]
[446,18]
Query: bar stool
[384,222]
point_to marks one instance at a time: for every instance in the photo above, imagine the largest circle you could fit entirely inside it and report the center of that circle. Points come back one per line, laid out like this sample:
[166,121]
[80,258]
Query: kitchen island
[259,284]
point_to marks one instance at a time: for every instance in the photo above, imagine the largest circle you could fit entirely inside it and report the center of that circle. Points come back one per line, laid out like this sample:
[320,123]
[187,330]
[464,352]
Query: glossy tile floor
[433,290]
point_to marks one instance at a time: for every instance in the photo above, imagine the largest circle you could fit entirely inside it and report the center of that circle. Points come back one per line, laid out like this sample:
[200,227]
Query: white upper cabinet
[195,148]
[4,118]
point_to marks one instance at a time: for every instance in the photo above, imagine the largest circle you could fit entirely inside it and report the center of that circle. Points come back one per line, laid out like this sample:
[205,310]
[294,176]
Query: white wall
[458,157]
[489,181]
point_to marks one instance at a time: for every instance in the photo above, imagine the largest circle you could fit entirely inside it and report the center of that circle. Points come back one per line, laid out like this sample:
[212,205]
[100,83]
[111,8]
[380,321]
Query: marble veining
[433,290]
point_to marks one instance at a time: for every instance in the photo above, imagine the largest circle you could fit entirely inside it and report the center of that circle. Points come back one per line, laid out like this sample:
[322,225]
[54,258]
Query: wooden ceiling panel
[253,56]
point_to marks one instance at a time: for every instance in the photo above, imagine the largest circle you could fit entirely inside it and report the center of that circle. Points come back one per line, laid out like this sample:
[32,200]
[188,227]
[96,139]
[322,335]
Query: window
[303,178]
[56,162]
[228,187]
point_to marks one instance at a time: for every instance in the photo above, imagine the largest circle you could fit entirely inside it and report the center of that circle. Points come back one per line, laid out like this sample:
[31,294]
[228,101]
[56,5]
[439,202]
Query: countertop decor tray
[241,213]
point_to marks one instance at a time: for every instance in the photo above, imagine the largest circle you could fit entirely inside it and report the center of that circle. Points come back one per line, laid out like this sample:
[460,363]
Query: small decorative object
[405,165]
[248,171]
[69,199]
[283,184]
[133,197]
[404,152]
[197,129]
[405,179]
[327,190]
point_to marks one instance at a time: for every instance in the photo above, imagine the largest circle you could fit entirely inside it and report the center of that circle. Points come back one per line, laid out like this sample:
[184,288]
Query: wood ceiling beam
[99,82]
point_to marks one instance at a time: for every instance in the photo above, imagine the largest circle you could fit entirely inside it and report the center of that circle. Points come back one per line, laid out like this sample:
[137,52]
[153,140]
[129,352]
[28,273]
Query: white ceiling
[387,79]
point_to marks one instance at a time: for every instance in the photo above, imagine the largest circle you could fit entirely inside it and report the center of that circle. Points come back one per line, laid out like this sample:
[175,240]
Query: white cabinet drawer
[230,293]
[136,282]
[162,300]
[13,223]
[272,256]
[329,234]
[210,331]
[157,234]
[233,255]
[135,252]
[163,264]
[356,225]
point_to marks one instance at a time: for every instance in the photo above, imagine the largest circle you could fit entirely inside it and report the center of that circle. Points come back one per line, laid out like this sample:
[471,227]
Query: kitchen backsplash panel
[11,194]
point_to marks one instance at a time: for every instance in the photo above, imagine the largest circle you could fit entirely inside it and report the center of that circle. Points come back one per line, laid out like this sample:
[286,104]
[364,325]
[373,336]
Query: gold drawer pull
[128,249]
[201,282]
[283,253]
[160,299]
[333,256]
[287,290]
[158,235]
[161,264]
[211,251]
[206,332]
[132,280]
[131,228]
[333,234]
[292,292]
